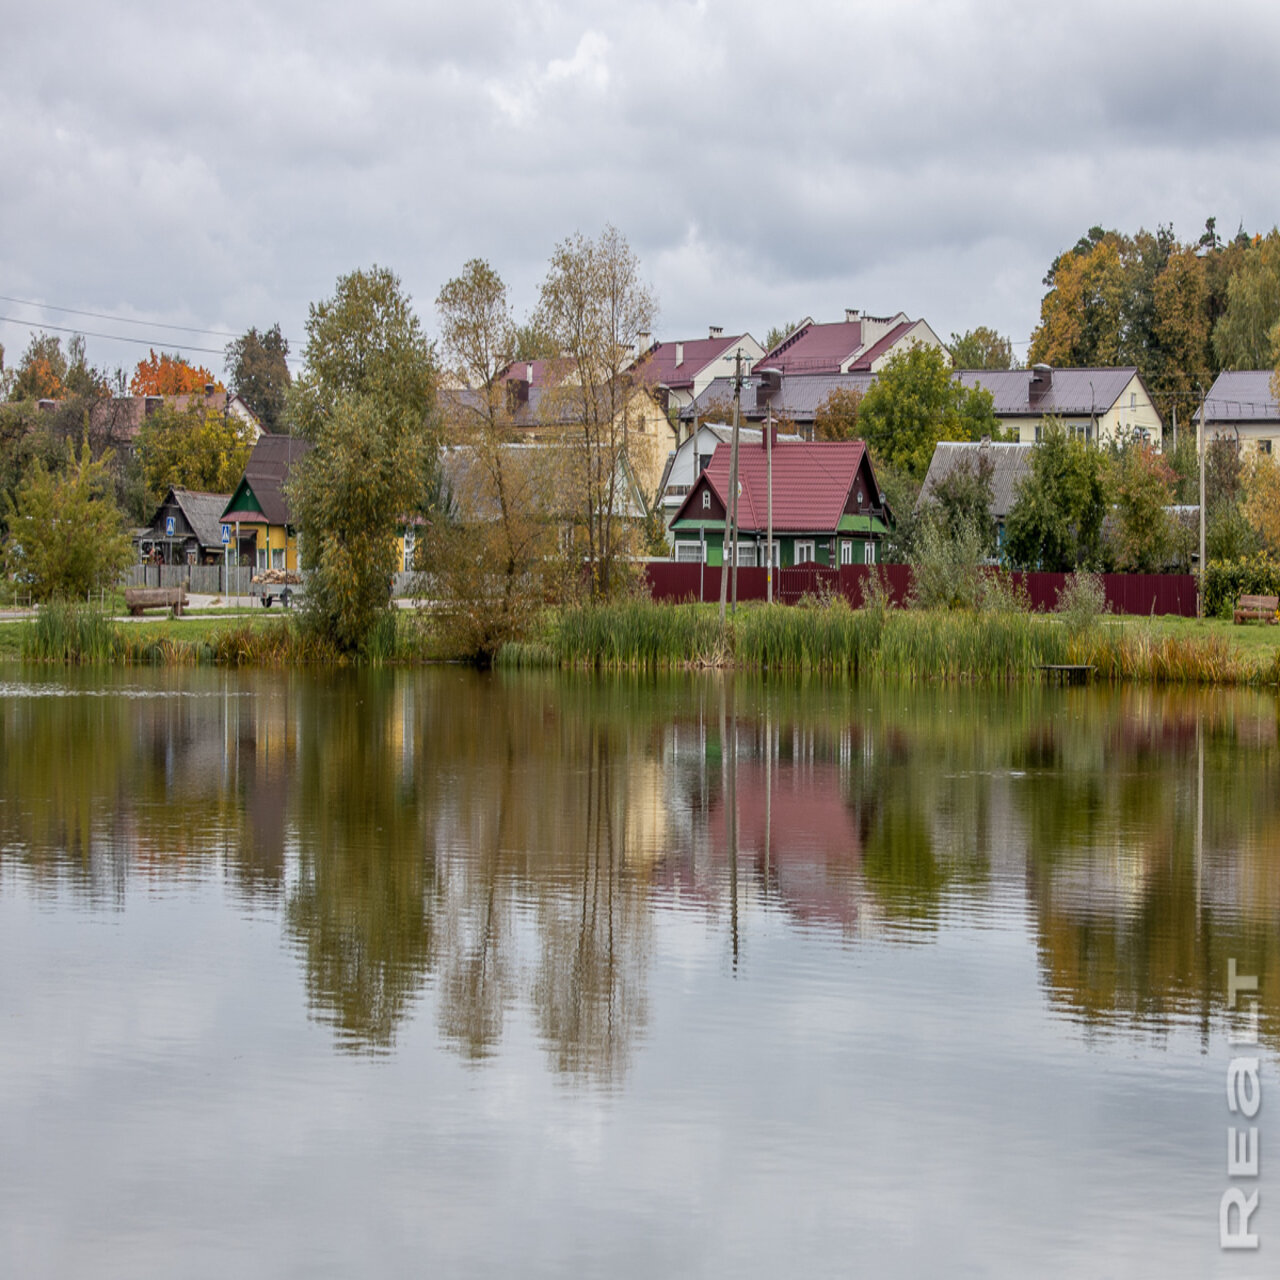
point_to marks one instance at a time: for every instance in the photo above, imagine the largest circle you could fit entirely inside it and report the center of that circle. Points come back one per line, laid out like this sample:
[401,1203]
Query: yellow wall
[274,537]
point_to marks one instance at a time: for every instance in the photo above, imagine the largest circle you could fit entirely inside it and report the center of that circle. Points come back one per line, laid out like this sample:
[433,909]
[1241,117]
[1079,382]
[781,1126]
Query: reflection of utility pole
[1199,808]
[732,746]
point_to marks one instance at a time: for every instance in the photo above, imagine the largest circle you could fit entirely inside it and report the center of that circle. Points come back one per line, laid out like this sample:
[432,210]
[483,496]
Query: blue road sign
[168,526]
[226,534]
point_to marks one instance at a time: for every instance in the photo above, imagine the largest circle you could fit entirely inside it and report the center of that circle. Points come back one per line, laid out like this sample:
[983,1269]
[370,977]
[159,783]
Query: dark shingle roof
[1070,391]
[267,471]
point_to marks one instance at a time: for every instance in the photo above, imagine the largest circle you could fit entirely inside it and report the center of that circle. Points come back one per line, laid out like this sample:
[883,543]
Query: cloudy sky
[219,164]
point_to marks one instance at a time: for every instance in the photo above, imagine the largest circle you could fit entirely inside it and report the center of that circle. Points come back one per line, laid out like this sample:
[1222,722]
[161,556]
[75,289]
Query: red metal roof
[658,364]
[816,348]
[811,483]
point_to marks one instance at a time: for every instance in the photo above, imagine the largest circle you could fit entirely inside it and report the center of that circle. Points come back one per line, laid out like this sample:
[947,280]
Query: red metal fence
[1140,593]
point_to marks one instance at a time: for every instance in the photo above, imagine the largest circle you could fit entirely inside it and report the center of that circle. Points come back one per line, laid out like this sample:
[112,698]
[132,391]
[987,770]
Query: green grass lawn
[1255,638]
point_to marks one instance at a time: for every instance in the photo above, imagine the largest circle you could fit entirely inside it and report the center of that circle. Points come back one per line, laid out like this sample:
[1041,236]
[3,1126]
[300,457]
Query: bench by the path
[139,599]
[1257,609]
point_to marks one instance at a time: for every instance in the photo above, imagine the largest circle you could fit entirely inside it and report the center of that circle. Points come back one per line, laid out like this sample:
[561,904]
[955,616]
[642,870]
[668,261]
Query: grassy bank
[77,634]
[896,644]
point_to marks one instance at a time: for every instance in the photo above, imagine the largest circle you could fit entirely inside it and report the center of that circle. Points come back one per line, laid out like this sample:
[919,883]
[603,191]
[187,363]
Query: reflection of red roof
[814,849]
[811,483]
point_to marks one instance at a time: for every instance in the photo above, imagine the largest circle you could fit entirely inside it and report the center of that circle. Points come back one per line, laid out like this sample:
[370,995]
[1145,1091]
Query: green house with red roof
[827,506]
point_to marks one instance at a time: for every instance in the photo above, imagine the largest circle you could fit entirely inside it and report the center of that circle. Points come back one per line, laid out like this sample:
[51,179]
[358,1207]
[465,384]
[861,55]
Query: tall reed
[830,637]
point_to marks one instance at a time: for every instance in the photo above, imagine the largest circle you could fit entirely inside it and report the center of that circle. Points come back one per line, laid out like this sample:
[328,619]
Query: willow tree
[366,401]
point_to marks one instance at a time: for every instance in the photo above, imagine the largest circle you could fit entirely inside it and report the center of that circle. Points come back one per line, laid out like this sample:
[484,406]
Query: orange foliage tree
[169,375]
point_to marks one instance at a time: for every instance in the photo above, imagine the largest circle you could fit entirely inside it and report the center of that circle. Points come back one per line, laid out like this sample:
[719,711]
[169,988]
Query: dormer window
[706,499]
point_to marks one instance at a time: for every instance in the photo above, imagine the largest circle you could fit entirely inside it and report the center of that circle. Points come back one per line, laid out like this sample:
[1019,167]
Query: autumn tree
[196,448]
[1242,337]
[915,402]
[257,365]
[490,565]
[836,418]
[46,372]
[594,306]
[366,399]
[1146,300]
[981,348]
[1080,316]
[66,534]
[1262,500]
[170,375]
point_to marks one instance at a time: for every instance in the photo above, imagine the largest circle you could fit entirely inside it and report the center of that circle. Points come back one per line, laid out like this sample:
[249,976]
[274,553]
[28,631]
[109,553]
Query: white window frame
[746,555]
[262,558]
[409,544]
[846,552]
[806,552]
[868,552]
[706,499]
[277,557]
[695,547]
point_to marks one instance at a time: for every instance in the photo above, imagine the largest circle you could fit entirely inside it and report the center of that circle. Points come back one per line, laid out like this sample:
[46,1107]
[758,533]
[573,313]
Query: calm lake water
[437,973]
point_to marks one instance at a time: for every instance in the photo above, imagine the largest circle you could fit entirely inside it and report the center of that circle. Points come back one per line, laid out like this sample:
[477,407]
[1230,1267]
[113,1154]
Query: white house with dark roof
[1242,405]
[1100,405]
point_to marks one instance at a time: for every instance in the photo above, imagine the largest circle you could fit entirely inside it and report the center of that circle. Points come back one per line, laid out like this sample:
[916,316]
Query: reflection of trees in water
[1143,881]
[589,991]
[361,909]
[507,834]
[123,775]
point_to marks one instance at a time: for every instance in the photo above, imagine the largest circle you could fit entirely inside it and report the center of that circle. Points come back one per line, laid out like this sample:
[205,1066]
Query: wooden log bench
[1257,609]
[139,599]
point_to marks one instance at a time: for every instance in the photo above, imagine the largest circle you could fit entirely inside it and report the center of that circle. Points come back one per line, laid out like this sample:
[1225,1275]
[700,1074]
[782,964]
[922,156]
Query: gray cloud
[221,168]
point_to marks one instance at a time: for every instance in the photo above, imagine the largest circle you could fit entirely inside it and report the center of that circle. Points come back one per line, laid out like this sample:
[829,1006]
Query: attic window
[706,499]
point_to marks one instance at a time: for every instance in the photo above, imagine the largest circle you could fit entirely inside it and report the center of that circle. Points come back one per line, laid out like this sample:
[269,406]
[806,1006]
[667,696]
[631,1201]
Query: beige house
[1242,406]
[1101,405]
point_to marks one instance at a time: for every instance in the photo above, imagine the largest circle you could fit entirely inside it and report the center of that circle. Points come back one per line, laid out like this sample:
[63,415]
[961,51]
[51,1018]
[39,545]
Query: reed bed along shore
[637,635]
[900,644]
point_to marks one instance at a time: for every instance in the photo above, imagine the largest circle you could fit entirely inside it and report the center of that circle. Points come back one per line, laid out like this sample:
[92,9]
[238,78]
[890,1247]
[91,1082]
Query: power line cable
[109,337]
[103,315]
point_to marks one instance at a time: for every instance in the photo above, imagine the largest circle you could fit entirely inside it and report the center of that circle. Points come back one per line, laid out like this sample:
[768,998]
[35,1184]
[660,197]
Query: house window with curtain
[846,551]
[805,553]
[409,540]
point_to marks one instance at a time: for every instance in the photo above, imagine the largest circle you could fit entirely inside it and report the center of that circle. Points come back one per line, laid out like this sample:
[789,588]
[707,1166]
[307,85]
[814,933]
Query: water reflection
[513,844]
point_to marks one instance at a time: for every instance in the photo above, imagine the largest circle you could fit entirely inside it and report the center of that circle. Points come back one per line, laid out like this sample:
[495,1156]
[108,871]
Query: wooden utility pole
[1200,446]
[731,521]
[768,543]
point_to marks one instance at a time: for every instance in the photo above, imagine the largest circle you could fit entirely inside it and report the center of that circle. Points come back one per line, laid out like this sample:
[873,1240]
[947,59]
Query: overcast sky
[218,165]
